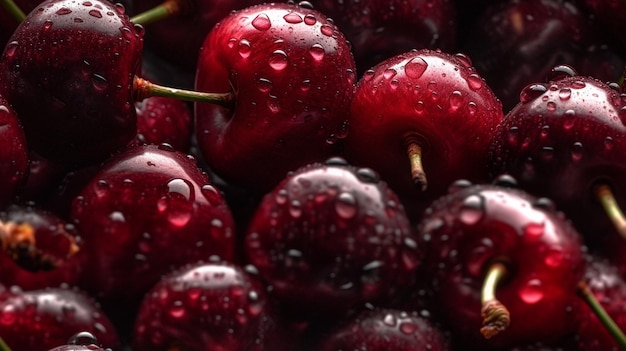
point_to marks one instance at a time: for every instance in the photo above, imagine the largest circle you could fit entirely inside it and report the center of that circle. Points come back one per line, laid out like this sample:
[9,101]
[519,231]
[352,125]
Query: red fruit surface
[329,238]
[43,319]
[436,97]
[145,212]
[563,138]
[293,76]
[164,120]
[68,72]
[474,226]
[205,306]
[13,154]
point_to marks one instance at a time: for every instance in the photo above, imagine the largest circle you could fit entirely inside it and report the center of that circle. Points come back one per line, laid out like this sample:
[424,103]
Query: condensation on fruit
[531,292]
[415,67]
[472,210]
[262,22]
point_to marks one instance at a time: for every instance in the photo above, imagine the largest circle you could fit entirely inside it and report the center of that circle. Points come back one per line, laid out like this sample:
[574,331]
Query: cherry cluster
[317,175]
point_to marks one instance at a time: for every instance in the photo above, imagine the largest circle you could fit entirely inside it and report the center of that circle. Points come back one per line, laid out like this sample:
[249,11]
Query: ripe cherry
[164,120]
[13,154]
[496,255]
[292,73]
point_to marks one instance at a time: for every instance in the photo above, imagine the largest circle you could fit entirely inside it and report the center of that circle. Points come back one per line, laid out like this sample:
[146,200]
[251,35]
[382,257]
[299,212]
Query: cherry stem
[4,346]
[13,10]
[144,89]
[496,316]
[415,148]
[167,8]
[605,196]
[590,299]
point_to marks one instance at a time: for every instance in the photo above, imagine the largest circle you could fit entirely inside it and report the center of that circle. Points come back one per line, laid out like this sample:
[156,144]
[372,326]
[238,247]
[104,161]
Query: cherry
[43,319]
[495,255]
[69,71]
[380,29]
[422,119]
[82,341]
[329,238]
[515,43]
[164,120]
[386,329]
[565,141]
[292,74]
[13,154]
[146,211]
[206,306]
[40,249]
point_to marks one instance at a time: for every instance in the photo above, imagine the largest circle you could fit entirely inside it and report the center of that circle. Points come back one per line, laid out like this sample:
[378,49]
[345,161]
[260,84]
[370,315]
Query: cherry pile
[312,176]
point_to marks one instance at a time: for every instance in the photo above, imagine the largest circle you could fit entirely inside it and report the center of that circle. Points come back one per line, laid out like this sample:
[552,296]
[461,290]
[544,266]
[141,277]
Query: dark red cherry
[47,318]
[292,74]
[502,263]
[206,306]
[561,141]
[68,71]
[329,238]
[13,154]
[145,212]
[41,249]
[164,120]
[422,119]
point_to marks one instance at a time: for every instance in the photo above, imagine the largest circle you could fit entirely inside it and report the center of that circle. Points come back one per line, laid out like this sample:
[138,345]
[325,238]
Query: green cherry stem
[167,8]
[590,299]
[496,316]
[144,89]
[4,346]
[605,196]
[13,10]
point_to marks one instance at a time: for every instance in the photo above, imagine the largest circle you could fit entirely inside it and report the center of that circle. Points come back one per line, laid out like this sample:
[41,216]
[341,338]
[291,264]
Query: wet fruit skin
[68,72]
[440,98]
[13,154]
[380,29]
[205,306]
[329,238]
[386,329]
[473,226]
[293,76]
[144,213]
[46,318]
[561,139]
[164,120]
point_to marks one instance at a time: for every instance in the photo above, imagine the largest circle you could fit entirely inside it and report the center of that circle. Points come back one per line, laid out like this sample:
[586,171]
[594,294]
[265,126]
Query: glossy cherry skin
[164,120]
[559,141]
[609,288]
[293,76]
[329,238]
[386,329]
[380,29]
[440,98]
[13,154]
[205,306]
[473,226]
[56,239]
[68,72]
[178,39]
[146,211]
[43,319]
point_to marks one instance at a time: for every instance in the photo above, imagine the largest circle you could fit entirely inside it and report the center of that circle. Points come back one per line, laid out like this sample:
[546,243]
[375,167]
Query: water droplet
[87,3]
[390,320]
[278,60]
[345,206]
[546,153]
[474,81]
[561,71]
[533,231]
[317,52]
[78,20]
[472,210]
[292,18]
[465,60]
[310,19]
[608,143]
[415,67]
[408,328]
[99,82]
[551,106]
[326,30]
[181,187]
[389,73]
[264,85]
[456,100]
[295,209]
[272,104]
[95,13]
[578,84]
[554,258]
[120,8]
[531,92]
[63,11]
[577,151]
[177,311]
[47,25]
[367,175]
[419,107]
[532,292]
[565,94]
[244,48]
[262,22]
[10,49]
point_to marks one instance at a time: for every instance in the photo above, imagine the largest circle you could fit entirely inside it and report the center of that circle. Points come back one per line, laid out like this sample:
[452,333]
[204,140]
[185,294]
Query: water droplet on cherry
[292,18]
[456,100]
[244,48]
[310,19]
[278,60]
[262,22]
[415,67]
[95,13]
[531,92]
[474,81]
[317,52]
[472,210]
[532,292]
[345,205]
[326,30]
